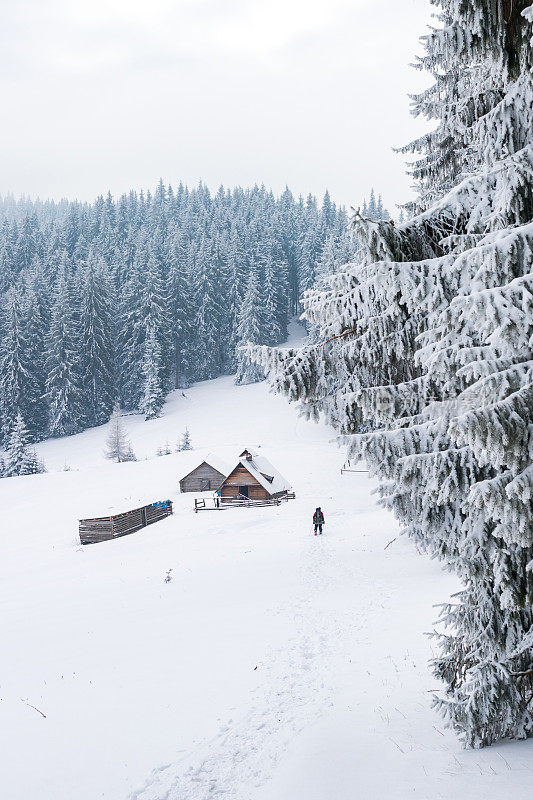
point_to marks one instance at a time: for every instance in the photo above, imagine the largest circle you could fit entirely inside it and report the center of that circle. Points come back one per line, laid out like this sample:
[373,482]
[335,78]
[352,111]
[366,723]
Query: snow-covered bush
[425,359]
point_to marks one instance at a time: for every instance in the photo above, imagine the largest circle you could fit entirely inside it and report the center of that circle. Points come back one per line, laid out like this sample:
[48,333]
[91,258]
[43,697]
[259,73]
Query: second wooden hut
[206,477]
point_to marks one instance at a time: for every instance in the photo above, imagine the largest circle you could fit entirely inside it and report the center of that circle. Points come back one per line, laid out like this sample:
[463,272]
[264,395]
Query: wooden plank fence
[211,504]
[101,529]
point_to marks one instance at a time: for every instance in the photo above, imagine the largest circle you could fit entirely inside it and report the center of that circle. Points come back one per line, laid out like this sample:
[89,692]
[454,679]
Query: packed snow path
[275,665]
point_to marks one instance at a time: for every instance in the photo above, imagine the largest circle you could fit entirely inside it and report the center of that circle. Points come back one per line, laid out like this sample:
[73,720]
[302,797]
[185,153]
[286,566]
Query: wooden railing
[211,504]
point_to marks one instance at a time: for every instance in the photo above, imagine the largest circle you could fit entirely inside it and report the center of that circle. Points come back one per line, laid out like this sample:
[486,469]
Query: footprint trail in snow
[294,693]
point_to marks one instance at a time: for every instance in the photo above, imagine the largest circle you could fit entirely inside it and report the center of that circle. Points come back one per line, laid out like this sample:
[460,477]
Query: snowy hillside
[275,665]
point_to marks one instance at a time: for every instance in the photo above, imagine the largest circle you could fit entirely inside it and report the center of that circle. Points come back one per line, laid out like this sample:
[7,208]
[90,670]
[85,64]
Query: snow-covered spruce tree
[118,446]
[153,395]
[20,460]
[310,245]
[234,275]
[143,309]
[425,362]
[35,317]
[19,385]
[180,297]
[271,333]
[154,313]
[461,93]
[207,322]
[249,331]
[7,276]
[63,378]
[185,441]
[130,341]
[328,259]
[97,366]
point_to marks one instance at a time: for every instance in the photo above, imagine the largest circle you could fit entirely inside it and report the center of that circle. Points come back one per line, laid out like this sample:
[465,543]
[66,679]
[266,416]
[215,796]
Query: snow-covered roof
[213,461]
[267,475]
[250,450]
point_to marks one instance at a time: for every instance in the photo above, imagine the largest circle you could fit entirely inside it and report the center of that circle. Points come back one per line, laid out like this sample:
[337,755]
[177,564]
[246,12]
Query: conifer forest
[125,300]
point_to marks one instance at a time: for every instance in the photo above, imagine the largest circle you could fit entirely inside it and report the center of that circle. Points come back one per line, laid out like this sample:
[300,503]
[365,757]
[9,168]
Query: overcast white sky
[113,94]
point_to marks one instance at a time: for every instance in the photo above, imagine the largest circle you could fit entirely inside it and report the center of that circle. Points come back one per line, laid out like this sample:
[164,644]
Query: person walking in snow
[318,520]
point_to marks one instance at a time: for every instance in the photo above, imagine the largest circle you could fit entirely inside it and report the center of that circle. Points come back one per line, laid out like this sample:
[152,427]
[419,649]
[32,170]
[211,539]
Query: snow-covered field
[275,665]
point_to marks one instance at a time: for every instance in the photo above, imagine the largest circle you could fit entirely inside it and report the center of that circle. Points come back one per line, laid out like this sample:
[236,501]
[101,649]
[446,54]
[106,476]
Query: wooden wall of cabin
[202,479]
[241,477]
[258,493]
[254,492]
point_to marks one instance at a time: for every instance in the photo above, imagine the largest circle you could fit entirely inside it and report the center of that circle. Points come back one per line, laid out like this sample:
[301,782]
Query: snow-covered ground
[275,665]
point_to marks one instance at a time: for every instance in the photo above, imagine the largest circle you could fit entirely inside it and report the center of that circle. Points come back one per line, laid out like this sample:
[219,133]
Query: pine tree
[424,362]
[7,269]
[249,332]
[327,213]
[372,206]
[374,209]
[155,317]
[97,366]
[17,384]
[307,259]
[29,243]
[118,446]
[289,220]
[185,442]
[20,460]
[271,318]
[153,395]
[234,276]
[35,324]
[327,264]
[130,341]
[179,311]
[63,379]
[207,321]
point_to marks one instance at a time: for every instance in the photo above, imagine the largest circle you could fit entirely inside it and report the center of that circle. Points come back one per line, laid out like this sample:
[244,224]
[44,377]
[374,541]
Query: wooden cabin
[206,477]
[255,478]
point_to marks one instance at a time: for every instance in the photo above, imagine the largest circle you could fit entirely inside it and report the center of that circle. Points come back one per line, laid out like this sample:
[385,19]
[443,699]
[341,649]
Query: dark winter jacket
[318,517]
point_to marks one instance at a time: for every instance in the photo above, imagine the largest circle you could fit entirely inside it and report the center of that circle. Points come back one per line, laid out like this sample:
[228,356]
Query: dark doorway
[243,490]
